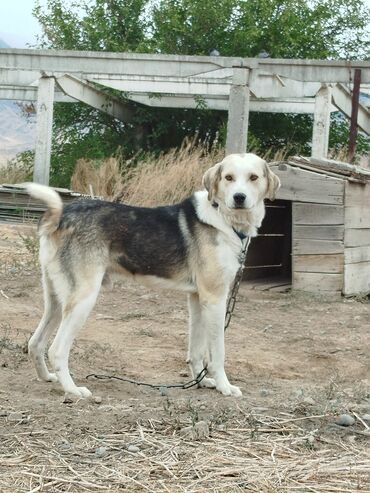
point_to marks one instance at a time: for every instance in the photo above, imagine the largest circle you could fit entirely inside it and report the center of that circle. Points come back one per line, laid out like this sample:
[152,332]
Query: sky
[18,28]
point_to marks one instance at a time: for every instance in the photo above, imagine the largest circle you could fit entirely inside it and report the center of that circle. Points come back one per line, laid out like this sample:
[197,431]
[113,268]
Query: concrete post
[237,123]
[44,124]
[321,122]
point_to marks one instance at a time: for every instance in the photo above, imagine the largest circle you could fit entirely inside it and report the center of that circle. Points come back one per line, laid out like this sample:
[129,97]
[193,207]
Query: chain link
[230,305]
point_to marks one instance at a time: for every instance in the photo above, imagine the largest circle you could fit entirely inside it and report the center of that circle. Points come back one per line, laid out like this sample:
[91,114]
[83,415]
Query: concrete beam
[90,62]
[168,85]
[342,99]
[302,105]
[44,127]
[81,63]
[321,123]
[24,93]
[238,116]
[273,86]
[89,94]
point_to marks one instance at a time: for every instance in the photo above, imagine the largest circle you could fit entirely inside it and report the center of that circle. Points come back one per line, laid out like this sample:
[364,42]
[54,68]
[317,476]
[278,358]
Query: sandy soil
[292,355]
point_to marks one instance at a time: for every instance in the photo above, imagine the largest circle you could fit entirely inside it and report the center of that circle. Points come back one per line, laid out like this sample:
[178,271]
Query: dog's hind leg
[48,323]
[76,308]
[197,354]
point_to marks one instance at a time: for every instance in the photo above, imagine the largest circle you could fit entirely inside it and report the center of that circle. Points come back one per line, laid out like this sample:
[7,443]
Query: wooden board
[357,217]
[318,282]
[357,194]
[357,278]
[357,254]
[316,247]
[305,186]
[331,264]
[321,232]
[356,237]
[318,214]
[357,206]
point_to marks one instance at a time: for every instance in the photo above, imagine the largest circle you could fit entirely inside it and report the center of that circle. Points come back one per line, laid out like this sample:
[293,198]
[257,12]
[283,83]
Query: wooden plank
[357,217]
[303,186]
[357,194]
[316,247]
[321,232]
[357,278]
[357,205]
[357,254]
[319,263]
[356,237]
[317,282]
[322,214]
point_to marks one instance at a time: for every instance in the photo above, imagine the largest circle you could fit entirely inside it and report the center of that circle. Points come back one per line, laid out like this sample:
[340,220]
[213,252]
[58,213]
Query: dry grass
[14,173]
[252,452]
[166,179]
[98,179]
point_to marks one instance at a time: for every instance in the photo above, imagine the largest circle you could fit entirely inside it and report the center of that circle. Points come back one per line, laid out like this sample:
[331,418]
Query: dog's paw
[229,390]
[79,392]
[51,377]
[208,383]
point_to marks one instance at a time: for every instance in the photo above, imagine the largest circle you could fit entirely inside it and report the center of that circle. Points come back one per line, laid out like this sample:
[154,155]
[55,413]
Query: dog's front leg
[213,319]
[198,351]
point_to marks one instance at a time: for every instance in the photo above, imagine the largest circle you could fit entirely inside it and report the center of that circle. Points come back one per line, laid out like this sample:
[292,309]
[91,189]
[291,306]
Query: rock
[15,416]
[309,401]
[345,420]
[366,417]
[97,399]
[163,391]
[264,392]
[133,449]
[101,451]
[64,445]
[199,431]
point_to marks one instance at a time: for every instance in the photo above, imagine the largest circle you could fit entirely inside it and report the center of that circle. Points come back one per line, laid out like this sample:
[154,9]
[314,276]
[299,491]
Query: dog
[193,246]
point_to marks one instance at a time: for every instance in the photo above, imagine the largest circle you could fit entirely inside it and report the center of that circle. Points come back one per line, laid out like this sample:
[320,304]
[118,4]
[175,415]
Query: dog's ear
[273,183]
[211,180]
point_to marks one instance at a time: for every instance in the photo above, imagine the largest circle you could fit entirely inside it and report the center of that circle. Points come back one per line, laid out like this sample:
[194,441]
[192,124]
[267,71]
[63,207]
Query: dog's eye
[228,178]
[253,177]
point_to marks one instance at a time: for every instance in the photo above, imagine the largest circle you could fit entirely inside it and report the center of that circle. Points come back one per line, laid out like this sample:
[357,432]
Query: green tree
[284,28]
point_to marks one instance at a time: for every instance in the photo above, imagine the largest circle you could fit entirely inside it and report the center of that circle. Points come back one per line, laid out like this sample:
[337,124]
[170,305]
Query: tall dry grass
[103,179]
[14,173]
[163,179]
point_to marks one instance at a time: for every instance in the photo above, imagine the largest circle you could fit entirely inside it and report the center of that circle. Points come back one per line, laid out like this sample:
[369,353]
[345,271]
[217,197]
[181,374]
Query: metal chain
[229,312]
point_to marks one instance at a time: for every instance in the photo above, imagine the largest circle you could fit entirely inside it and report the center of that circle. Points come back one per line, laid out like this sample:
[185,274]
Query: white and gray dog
[193,246]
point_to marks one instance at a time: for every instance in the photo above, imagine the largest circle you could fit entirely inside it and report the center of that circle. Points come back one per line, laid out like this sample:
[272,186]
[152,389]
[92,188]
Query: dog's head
[240,182]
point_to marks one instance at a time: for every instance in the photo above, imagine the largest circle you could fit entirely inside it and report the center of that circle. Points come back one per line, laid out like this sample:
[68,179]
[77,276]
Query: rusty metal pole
[354,128]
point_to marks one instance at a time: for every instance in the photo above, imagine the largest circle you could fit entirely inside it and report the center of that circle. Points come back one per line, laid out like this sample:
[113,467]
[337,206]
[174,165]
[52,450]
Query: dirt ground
[300,361]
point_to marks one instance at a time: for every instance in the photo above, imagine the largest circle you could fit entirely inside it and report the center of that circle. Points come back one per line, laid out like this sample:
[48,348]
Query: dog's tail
[50,220]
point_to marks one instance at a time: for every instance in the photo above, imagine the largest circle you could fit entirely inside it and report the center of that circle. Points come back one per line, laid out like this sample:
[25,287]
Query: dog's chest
[229,255]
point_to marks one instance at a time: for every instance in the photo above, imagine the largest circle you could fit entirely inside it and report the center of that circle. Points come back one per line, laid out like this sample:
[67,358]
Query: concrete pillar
[44,125]
[321,122]
[237,123]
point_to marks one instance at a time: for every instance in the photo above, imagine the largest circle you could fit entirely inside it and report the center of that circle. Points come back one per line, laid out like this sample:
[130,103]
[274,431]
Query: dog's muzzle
[239,200]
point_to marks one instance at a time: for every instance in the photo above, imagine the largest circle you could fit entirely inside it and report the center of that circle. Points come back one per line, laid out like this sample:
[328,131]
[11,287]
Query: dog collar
[242,236]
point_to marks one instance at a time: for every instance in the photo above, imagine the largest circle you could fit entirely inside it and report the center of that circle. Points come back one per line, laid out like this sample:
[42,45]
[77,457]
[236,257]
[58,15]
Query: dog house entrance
[269,258]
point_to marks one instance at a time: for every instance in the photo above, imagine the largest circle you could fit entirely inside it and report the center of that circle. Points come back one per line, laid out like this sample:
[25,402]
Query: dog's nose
[239,198]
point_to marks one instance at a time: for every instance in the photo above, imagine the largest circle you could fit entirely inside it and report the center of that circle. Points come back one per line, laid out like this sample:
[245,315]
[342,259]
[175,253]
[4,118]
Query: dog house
[316,235]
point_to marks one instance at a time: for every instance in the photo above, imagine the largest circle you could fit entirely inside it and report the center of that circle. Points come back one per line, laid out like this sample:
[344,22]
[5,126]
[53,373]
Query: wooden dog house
[316,235]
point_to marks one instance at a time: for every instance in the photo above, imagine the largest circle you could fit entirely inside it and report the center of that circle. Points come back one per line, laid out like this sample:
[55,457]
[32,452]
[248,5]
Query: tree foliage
[284,28]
